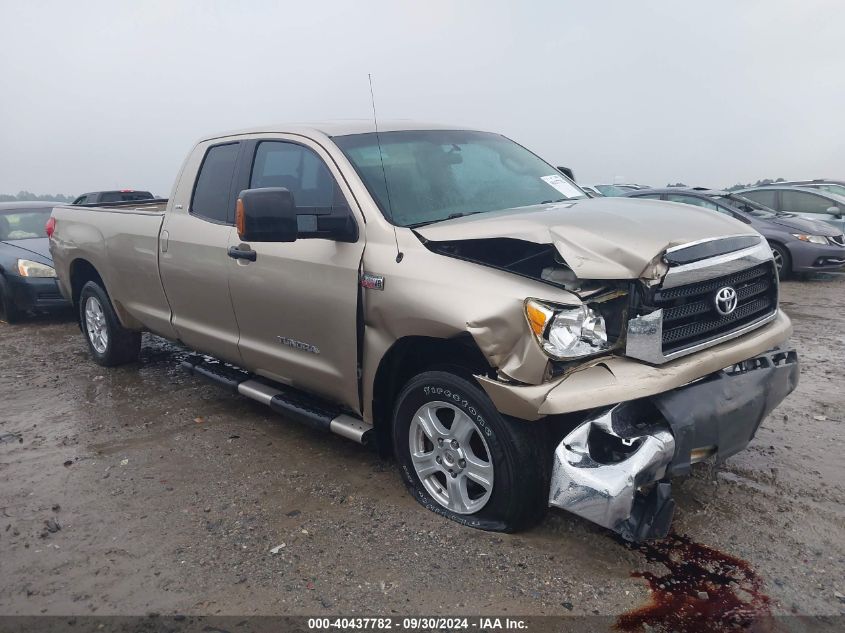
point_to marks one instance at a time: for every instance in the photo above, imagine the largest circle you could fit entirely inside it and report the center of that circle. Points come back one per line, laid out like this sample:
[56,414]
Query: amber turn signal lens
[240,218]
[538,317]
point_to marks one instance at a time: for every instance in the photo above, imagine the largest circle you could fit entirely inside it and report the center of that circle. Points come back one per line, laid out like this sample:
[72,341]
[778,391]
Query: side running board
[286,401]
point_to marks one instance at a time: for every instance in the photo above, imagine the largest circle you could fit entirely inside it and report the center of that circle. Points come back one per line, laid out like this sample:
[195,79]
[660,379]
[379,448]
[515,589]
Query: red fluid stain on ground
[734,600]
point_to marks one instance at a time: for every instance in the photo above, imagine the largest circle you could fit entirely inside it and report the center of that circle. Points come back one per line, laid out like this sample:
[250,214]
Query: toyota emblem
[726,300]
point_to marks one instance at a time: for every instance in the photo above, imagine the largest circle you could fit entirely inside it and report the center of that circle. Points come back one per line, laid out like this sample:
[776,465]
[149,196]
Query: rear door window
[766,197]
[212,192]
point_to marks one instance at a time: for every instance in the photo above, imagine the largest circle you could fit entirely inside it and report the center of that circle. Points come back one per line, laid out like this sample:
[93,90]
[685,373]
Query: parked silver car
[816,204]
[825,184]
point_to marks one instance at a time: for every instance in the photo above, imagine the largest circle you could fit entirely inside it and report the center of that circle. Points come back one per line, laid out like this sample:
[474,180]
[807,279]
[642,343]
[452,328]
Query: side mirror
[566,171]
[266,215]
[834,211]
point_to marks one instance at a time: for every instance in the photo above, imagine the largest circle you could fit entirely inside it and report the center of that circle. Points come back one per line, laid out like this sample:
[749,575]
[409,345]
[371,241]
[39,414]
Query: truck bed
[121,241]
[155,206]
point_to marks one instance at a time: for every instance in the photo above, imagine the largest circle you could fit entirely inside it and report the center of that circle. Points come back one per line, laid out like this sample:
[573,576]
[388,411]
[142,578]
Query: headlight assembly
[28,268]
[815,239]
[566,333]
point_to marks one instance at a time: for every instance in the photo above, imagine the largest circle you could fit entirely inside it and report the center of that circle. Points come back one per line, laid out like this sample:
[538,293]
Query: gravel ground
[142,489]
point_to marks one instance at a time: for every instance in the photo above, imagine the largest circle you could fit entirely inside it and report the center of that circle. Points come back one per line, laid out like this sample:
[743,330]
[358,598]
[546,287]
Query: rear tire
[783,261]
[9,312]
[108,341]
[464,460]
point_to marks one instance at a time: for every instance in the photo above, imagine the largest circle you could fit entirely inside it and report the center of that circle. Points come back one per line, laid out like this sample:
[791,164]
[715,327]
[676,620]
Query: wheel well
[782,246]
[81,272]
[411,356]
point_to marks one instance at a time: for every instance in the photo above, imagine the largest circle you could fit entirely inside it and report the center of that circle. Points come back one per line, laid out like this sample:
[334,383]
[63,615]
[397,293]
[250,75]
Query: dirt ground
[142,489]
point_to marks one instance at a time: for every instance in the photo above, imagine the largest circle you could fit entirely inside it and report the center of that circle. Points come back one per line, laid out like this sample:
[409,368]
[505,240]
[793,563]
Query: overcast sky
[100,95]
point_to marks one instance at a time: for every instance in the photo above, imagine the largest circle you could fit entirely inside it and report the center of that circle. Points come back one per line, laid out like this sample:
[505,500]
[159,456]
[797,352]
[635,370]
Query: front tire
[783,261]
[109,342]
[462,459]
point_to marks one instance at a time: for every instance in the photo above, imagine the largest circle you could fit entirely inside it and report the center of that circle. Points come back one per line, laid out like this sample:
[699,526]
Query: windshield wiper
[448,217]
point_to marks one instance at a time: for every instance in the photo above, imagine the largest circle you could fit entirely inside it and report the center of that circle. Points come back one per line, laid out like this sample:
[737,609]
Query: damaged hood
[598,238]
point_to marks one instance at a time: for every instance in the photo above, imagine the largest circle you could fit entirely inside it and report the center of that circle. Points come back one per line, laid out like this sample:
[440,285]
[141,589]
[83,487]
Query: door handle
[237,253]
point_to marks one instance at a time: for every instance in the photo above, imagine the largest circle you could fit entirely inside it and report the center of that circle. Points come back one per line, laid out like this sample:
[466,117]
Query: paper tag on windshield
[563,185]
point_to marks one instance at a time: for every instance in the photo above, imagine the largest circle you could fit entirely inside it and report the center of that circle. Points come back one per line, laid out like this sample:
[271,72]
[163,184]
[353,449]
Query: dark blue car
[27,278]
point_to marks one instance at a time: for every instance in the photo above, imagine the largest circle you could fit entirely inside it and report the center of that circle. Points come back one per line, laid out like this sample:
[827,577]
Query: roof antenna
[399,254]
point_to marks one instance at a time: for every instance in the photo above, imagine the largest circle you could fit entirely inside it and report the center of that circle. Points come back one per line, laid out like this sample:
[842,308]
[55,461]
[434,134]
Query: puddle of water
[703,590]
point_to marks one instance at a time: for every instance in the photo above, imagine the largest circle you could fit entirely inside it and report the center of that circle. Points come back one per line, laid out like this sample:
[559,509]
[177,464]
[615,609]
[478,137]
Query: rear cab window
[125,196]
[211,199]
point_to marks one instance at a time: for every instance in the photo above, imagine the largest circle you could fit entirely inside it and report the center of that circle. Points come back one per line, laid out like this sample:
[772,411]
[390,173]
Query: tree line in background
[47,197]
[28,195]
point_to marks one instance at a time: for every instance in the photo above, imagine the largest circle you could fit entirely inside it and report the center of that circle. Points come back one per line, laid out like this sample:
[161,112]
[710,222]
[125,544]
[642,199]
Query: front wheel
[109,342]
[783,262]
[462,459]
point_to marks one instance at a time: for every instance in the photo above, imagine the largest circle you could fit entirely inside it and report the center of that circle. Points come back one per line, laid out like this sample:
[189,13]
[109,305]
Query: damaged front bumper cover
[613,469]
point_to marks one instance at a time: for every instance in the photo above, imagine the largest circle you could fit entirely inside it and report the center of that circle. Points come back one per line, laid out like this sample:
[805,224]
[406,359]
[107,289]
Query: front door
[297,304]
[812,206]
[193,261]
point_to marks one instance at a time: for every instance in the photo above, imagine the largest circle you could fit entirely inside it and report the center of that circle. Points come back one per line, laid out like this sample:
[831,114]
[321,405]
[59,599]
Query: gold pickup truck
[451,296]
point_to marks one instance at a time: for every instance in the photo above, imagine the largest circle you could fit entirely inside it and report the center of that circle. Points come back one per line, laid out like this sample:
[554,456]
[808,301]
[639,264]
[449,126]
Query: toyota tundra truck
[450,296]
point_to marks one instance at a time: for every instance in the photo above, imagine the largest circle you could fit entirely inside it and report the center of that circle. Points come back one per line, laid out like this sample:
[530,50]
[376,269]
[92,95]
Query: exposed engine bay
[529,259]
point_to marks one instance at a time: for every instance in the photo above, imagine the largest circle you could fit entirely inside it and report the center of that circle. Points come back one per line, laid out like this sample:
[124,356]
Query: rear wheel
[783,262]
[109,342]
[9,312]
[461,458]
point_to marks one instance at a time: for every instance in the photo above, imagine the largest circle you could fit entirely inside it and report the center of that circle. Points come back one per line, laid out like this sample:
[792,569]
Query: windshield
[612,190]
[749,206]
[433,175]
[23,225]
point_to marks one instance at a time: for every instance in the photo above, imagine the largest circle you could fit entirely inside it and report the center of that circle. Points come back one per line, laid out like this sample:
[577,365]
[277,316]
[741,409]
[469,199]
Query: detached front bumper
[614,468]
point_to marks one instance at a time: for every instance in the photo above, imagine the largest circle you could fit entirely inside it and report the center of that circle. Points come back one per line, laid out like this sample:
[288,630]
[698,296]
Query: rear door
[194,264]
[297,303]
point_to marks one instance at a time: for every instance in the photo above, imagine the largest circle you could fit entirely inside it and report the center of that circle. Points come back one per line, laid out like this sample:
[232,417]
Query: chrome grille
[689,312]
[680,316]
[837,240]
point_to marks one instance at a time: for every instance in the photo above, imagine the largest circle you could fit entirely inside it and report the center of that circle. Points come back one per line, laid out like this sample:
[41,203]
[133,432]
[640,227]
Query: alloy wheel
[778,259]
[95,325]
[451,457]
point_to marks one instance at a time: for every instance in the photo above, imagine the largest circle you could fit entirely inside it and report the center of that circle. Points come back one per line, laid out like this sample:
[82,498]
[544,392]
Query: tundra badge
[305,347]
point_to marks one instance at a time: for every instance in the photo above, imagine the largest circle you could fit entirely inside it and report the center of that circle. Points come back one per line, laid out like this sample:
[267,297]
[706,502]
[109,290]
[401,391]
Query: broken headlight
[567,332]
